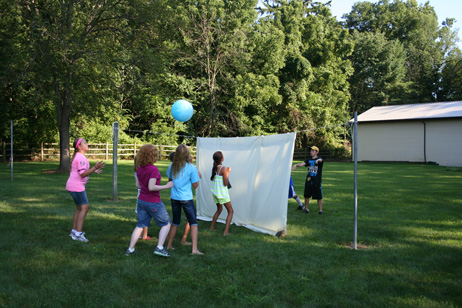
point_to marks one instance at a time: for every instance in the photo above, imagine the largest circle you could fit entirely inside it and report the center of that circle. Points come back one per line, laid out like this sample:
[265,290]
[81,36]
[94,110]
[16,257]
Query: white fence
[50,151]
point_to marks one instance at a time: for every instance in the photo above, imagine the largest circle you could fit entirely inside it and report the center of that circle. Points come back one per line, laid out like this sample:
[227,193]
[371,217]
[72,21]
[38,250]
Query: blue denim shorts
[80,198]
[148,210]
[188,208]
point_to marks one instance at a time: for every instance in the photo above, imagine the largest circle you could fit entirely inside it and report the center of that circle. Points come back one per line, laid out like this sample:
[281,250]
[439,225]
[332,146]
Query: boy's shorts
[313,190]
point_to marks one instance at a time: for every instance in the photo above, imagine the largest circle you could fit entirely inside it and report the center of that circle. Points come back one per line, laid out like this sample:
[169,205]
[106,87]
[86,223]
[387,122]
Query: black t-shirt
[314,170]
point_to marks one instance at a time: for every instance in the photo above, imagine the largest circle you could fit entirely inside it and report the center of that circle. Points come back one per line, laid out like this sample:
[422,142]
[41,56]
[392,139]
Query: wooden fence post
[107,150]
[41,151]
[134,150]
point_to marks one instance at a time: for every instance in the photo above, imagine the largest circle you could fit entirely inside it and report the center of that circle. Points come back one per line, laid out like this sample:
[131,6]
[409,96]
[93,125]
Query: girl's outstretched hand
[100,164]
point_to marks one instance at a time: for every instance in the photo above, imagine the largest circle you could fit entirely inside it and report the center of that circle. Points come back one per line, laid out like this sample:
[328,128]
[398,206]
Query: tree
[206,47]
[379,71]
[31,120]
[451,86]
[73,47]
[314,79]
[416,27]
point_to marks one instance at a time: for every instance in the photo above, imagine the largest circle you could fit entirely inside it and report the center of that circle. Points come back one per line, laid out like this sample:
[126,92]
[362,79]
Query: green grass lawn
[409,234]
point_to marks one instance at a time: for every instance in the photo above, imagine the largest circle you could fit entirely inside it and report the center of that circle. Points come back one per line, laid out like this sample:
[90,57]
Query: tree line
[70,68]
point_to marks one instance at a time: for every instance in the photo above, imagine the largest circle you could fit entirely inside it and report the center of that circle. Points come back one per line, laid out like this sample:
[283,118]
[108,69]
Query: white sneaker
[81,237]
[73,236]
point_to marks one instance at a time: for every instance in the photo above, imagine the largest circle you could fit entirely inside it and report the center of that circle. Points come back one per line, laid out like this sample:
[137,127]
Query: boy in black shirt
[313,183]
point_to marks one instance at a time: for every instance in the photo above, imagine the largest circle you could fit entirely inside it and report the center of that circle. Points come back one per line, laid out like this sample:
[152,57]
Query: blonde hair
[147,155]
[180,159]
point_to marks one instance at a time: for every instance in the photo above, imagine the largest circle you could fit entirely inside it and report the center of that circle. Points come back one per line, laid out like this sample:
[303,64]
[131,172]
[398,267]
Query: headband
[78,143]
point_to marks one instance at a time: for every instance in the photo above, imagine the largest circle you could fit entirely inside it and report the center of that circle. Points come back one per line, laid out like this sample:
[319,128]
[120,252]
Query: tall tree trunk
[63,108]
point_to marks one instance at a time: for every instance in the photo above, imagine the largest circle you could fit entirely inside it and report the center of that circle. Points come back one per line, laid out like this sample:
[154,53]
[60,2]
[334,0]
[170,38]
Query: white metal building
[430,132]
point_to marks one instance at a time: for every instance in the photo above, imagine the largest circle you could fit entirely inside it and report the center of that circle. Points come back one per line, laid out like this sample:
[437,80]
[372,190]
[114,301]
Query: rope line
[186,136]
[324,127]
[153,133]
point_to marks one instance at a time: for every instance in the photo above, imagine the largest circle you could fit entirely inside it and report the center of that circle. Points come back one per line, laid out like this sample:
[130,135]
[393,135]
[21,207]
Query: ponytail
[76,147]
[217,157]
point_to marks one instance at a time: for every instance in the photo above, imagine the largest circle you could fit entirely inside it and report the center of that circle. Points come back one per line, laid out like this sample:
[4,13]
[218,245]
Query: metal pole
[11,151]
[355,157]
[115,139]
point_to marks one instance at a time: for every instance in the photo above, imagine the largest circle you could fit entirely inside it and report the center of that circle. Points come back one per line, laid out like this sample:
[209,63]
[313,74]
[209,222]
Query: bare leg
[135,236]
[215,216]
[163,235]
[81,214]
[74,219]
[145,233]
[194,233]
[307,202]
[320,205]
[229,218]
[171,235]
[185,235]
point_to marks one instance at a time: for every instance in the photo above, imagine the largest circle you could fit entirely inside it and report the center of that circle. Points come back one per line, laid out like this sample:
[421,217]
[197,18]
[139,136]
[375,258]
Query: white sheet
[260,174]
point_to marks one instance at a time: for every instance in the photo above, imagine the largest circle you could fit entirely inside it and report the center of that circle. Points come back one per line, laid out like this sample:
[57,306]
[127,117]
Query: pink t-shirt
[145,173]
[76,183]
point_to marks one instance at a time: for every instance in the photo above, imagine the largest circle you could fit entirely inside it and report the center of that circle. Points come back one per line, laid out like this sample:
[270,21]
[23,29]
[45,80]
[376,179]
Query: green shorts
[221,200]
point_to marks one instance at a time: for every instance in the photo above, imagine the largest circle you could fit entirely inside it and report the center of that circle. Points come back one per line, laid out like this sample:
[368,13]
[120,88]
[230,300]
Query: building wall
[404,141]
[444,142]
[391,141]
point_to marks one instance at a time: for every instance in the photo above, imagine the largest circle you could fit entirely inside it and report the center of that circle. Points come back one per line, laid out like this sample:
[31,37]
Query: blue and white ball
[182,110]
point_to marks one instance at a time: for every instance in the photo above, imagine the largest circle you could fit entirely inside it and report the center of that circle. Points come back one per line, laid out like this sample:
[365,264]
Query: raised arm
[96,168]
[225,172]
[298,165]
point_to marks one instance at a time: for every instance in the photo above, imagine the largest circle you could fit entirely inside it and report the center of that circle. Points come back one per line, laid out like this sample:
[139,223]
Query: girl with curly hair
[149,203]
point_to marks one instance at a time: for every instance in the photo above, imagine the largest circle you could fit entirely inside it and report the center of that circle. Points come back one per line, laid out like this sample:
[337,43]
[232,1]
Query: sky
[443,9]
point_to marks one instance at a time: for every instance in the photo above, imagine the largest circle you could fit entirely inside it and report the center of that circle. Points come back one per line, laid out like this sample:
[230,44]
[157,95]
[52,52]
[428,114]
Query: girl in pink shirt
[80,170]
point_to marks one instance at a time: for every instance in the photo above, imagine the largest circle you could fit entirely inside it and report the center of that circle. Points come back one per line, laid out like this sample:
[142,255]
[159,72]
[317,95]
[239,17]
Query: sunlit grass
[409,239]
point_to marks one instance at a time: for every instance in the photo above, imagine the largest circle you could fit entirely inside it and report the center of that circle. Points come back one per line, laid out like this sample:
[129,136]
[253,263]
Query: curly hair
[147,155]
[135,163]
[182,156]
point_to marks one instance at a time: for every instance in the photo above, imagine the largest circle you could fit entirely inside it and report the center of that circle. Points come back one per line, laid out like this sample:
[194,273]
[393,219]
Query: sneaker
[73,236]
[300,207]
[321,213]
[81,237]
[129,253]
[306,211]
[161,252]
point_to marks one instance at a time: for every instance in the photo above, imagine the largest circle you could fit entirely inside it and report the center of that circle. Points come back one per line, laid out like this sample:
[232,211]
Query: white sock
[78,233]
[298,200]
[160,247]
[131,249]
[74,231]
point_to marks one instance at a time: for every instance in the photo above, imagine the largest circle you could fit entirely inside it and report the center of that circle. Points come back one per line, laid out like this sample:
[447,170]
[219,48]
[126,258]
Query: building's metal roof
[412,112]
